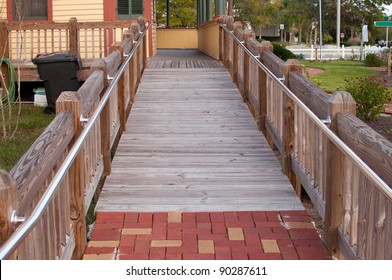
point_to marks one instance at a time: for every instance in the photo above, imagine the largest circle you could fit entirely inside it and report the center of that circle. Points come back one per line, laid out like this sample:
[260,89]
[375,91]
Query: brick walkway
[255,235]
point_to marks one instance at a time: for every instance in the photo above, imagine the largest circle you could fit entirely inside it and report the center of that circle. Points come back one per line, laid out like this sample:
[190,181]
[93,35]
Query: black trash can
[59,73]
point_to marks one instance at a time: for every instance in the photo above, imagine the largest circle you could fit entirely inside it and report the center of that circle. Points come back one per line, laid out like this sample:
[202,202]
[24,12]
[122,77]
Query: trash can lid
[56,57]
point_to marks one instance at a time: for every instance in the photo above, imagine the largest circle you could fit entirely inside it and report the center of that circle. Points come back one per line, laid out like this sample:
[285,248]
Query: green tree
[258,13]
[298,15]
[182,13]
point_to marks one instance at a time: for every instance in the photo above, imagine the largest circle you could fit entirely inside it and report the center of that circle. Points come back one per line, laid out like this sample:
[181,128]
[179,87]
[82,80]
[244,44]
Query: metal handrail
[369,173]
[20,234]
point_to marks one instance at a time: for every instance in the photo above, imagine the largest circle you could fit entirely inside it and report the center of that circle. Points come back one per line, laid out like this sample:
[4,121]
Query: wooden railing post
[264,47]
[237,25]
[338,102]
[222,21]
[73,35]
[221,39]
[229,25]
[118,46]
[100,65]
[8,204]
[142,21]
[225,49]
[70,101]
[292,65]
[129,35]
[245,94]
[135,28]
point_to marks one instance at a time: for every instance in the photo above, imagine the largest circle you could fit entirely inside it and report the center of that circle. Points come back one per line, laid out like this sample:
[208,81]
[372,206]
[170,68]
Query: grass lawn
[336,71]
[32,123]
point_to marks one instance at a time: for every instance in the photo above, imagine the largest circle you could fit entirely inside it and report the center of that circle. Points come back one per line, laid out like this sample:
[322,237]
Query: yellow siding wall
[3,9]
[209,39]
[181,38]
[83,10]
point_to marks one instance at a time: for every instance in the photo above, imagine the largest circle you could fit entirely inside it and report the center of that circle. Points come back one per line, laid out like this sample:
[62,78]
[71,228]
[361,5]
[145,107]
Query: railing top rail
[65,25]
[363,167]
[18,236]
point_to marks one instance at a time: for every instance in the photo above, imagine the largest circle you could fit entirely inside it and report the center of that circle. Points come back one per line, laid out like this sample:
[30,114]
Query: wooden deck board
[192,145]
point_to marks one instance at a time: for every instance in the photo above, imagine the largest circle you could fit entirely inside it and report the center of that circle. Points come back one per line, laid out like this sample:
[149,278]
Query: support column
[230,8]
[208,9]
[167,13]
[220,7]
[203,11]
[199,12]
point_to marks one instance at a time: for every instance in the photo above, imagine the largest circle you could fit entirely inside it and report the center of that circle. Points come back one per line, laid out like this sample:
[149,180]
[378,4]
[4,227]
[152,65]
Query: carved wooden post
[245,94]
[70,101]
[338,102]
[264,47]
[237,25]
[142,23]
[145,52]
[121,87]
[292,65]
[129,35]
[225,49]
[73,35]
[222,21]
[229,25]
[221,40]
[8,203]
[135,28]
[100,65]
[4,50]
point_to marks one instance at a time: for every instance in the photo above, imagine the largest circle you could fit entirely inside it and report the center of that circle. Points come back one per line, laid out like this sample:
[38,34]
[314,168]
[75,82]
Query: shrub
[327,38]
[370,94]
[301,56]
[373,60]
[282,52]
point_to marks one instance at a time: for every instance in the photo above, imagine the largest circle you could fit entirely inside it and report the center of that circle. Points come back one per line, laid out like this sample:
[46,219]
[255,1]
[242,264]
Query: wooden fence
[95,116]
[23,41]
[357,213]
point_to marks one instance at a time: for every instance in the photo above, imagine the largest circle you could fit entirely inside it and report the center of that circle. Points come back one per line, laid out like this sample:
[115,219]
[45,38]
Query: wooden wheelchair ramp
[191,145]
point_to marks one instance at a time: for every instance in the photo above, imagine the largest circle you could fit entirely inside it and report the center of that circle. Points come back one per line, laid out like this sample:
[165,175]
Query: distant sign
[383,23]
[342,35]
[365,37]
[281,26]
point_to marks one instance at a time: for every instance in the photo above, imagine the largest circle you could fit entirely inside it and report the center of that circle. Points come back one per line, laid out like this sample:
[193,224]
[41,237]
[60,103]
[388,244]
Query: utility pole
[321,28]
[338,4]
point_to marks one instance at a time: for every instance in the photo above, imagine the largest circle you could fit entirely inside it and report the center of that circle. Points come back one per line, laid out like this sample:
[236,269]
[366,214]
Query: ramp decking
[192,145]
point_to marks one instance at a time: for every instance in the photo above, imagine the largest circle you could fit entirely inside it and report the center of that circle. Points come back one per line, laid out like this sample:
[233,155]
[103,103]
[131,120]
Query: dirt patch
[314,71]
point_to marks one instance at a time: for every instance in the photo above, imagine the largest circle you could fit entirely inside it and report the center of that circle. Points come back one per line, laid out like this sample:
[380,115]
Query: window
[30,9]
[127,9]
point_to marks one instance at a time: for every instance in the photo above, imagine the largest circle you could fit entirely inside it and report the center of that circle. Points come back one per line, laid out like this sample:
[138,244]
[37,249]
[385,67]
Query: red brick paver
[247,235]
